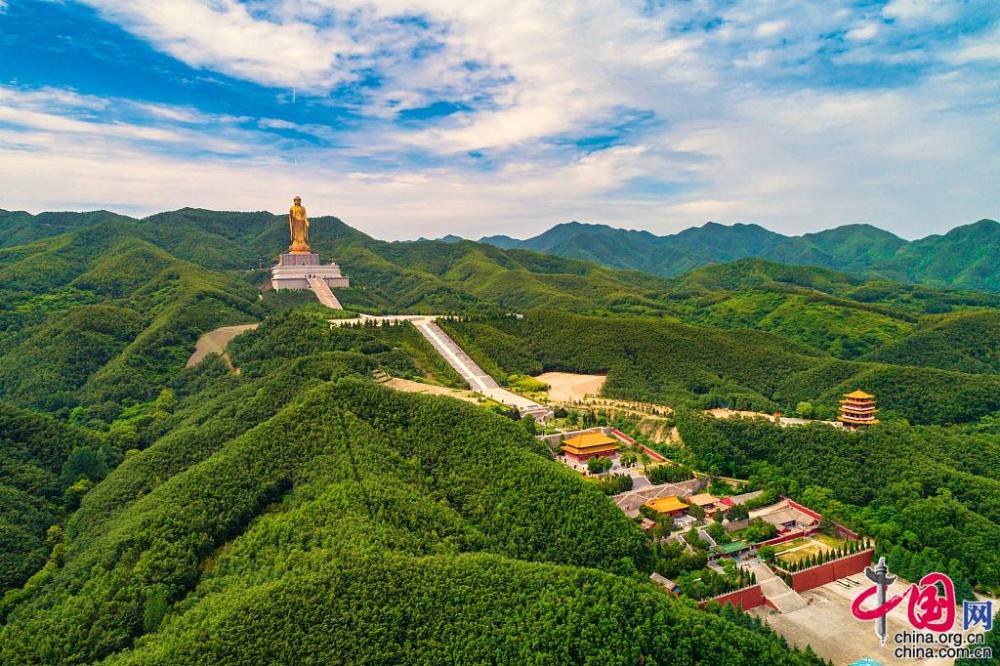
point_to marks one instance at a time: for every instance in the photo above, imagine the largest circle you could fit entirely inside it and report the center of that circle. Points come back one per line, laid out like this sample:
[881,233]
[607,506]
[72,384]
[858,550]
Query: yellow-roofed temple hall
[589,445]
[671,505]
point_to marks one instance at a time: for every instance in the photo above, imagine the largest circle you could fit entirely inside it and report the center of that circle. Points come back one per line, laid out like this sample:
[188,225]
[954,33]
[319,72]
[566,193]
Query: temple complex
[300,267]
[858,409]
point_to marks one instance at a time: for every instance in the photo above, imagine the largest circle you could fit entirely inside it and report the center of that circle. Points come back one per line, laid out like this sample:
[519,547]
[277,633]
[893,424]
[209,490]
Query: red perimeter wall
[804,509]
[831,571]
[652,454]
[746,598]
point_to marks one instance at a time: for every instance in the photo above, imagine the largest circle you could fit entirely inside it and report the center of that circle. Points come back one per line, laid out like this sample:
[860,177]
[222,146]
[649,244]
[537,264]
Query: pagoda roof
[859,395]
[667,504]
[590,443]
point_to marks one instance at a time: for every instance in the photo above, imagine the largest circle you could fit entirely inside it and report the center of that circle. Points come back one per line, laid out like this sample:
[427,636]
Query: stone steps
[478,380]
[324,293]
[782,597]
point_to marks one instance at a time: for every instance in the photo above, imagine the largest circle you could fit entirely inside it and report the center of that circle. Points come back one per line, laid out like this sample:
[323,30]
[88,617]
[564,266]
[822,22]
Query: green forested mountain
[296,512]
[844,315]
[21,228]
[127,287]
[964,258]
[38,456]
[301,513]
[102,313]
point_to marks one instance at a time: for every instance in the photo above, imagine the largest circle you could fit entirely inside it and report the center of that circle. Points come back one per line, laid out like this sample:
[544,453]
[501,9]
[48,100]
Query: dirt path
[429,389]
[214,342]
[568,386]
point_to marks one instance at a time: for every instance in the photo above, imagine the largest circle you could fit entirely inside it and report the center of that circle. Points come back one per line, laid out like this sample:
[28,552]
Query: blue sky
[413,119]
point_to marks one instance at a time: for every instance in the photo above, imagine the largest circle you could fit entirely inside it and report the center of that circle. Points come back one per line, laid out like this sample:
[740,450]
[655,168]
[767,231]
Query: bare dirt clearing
[215,342]
[429,389]
[568,386]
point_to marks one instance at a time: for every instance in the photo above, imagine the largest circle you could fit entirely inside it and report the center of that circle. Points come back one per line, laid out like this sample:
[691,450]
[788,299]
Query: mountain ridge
[963,257]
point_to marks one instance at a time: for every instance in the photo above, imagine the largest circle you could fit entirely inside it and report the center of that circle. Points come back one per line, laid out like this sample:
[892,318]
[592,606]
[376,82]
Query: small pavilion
[708,502]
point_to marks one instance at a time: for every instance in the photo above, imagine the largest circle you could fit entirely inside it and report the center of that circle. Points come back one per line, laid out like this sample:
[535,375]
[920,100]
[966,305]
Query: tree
[805,409]
[598,465]
[767,553]
[75,492]
[166,401]
[155,607]
[737,512]
[83,462]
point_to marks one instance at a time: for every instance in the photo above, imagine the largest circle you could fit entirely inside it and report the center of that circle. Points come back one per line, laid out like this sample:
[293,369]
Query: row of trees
[767,553]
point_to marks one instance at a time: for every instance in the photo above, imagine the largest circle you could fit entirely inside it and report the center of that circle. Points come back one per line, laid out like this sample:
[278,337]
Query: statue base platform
[294,269]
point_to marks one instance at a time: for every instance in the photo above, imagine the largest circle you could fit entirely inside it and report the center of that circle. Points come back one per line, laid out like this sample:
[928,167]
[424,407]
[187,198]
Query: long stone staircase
[478,380]
[456,357]
[782,597]
[324,293]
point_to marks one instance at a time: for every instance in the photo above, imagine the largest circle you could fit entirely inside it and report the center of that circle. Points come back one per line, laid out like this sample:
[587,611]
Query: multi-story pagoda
[858,409]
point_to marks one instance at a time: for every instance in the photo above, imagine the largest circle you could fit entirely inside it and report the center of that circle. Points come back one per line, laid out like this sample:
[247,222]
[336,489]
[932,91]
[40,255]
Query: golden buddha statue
[298,227]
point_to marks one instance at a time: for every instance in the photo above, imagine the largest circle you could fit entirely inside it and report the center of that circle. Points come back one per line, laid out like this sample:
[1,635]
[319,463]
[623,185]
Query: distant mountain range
[967,257]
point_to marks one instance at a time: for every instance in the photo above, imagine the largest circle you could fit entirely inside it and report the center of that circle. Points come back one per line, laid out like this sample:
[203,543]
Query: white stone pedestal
[294,270]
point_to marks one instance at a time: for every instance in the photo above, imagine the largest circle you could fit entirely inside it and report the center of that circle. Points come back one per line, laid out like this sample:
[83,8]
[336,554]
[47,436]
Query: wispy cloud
[415,118]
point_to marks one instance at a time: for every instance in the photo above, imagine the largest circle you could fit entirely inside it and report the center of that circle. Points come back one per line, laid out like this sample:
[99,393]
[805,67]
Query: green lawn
[829,541]
[802,548]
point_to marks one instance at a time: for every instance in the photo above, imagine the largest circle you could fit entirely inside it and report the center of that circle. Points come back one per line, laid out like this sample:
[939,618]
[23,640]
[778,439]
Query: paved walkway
[784,598]
[477,378]
[324,293]
[456,356]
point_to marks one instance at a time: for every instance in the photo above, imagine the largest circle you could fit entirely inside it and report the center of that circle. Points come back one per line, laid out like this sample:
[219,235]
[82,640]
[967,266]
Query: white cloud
[174,113]
[226,37]
[275,123]
[862,32]
[920,10]
[981,48]
[771,28]
[750,133]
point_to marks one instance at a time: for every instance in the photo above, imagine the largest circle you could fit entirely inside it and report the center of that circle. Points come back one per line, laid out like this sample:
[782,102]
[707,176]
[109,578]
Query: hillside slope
[336,521]
[101,314]
[684,365]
